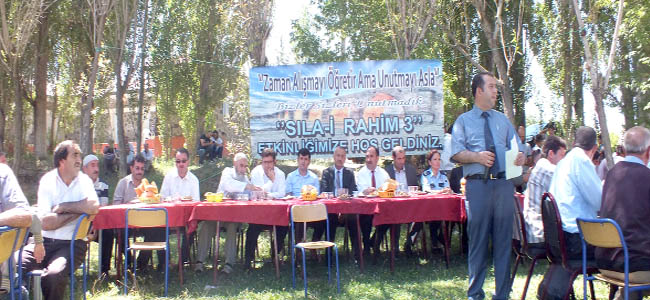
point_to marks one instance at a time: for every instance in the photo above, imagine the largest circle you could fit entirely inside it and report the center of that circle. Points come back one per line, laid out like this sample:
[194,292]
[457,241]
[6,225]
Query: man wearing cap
[577,189]
[480,139]
[90,167]
[63,195]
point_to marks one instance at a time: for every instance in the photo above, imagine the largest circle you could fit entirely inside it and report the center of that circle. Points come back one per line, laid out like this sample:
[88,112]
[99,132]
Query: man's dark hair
[304,152]
[61,151]
[138,158]
[376,150]
[540,137]
[478,82]
[183,150]
[268,152]
[585,138]
[596,156]
[553,143]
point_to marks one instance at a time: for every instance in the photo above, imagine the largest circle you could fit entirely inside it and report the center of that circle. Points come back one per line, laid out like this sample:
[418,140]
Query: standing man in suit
[480,139]
[406,175]
[626,200]
[335,177]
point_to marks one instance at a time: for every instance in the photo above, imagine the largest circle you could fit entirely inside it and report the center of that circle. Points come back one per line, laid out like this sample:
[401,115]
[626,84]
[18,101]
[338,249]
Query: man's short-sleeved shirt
[468,134]
[11,195]
[295,182]
[53,191]
[124,191]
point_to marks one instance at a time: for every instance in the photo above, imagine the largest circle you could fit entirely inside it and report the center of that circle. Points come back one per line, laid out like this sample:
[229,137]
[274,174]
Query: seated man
[577,188]
[218,144]
[90,167]
[334,178]
[271,179]
[109,158]
[63,194]
[180,183]
[15,212]
[206,147]
[299,178]
[233,181]
[539,183]
[626,200]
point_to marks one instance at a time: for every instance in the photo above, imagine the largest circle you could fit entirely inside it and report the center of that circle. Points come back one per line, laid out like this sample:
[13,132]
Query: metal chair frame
[523,251]
[16,235]
[83,224]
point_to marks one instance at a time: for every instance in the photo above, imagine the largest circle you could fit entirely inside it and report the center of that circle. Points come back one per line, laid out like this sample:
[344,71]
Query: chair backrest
[7,242]
[146,217]
[308,213]
[520,222]
[603,233]
[82,227]
[553,234]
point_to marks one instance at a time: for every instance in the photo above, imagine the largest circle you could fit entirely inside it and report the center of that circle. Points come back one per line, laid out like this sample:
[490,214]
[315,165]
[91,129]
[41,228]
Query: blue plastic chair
[305,214]
[145,217]
[9,237]
[81,229]
[605,233]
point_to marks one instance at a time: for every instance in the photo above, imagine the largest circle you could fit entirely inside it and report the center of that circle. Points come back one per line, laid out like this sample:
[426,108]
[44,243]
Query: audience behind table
[272,181]
[539,183]
[405,175]
[90,167]
[626,200]
[233,181]
[63,195]
[15,212]
[577,188]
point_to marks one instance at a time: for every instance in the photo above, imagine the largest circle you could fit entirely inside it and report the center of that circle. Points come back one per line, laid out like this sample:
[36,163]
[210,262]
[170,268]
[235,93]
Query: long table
[394,211]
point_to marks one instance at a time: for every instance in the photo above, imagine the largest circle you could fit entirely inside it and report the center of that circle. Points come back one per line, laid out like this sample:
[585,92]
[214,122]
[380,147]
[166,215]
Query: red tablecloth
[112,216]
[419,209]
[258,212]
[351,206]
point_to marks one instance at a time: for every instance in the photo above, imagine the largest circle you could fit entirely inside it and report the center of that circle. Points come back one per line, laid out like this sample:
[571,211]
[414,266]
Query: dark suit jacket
[411,175]
[626,200]
[327,180]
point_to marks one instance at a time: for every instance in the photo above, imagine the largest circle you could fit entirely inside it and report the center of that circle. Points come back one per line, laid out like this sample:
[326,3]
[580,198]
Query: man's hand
[84,206]
[485,158]
[270,174]
[251,187]
[369,190]
[520,159]
[39,252]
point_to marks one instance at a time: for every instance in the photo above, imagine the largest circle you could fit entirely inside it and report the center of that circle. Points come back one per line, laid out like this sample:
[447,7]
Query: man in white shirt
[63,194]
[180,183]
[368,180]
[271,179]
[233,181]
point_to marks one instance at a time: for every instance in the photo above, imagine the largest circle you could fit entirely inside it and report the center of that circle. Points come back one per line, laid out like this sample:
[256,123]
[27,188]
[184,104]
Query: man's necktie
[489,143]
[374,183]
[337,181]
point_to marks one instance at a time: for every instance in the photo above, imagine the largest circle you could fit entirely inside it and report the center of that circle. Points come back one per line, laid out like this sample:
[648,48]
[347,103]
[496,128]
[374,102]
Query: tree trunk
[143,56]
[53,123]
[18,118]
[40,85]
[627,94]
[3,108]
[119,111]
[567,60]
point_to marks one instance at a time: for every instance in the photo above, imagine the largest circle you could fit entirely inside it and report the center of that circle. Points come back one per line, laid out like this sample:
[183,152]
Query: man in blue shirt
[480,139]
[301,176]
[577,188]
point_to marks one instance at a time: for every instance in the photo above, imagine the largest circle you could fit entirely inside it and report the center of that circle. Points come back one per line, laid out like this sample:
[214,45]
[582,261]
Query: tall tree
[257,16]
[143,58]
[18,21]
[599,81]
[43,48]
[409,22]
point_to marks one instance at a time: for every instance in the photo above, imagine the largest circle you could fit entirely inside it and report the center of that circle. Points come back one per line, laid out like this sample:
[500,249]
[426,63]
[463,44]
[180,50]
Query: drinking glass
[341,191]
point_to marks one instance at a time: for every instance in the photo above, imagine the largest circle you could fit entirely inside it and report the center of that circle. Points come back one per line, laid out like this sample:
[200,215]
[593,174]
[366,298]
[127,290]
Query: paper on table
[512,170]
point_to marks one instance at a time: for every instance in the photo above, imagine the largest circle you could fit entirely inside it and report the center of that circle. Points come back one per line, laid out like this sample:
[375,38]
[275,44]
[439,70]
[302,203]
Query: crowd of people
[477,144]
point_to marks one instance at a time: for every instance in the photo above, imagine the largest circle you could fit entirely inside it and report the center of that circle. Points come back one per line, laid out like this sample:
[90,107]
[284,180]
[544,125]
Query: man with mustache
[63,195]
[90,167]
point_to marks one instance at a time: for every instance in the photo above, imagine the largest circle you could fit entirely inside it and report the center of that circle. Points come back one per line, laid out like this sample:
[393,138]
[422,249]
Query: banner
[354,105]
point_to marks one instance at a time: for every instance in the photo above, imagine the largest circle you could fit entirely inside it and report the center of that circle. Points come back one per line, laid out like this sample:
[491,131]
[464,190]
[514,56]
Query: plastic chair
[305,214]
[554,239]
[81,229]
[145,217]
[534,254]
[605,233]
[8,241]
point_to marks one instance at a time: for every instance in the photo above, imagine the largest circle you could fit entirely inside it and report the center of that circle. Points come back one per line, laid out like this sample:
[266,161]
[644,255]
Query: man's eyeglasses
[179,161]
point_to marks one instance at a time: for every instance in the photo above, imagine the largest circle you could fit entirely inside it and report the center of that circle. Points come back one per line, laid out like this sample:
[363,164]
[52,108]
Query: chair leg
[328,251]
[304,270]
[591,288]
[530,274]
[293,267]
[423,232]
[338,276]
